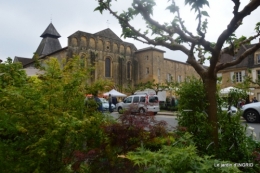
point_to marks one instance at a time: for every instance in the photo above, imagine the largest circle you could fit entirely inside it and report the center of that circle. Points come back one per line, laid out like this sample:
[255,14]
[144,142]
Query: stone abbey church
[112,58]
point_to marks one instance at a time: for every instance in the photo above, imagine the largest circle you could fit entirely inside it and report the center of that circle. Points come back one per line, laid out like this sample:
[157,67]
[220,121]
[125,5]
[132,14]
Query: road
[172,122]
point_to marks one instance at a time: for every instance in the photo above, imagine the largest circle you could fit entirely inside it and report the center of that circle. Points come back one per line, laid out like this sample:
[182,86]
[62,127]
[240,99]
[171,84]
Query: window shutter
[231,76]
[254,75]
[243,75]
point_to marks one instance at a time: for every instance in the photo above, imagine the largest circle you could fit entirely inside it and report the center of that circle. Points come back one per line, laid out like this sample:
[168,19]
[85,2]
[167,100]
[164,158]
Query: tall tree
[176,36]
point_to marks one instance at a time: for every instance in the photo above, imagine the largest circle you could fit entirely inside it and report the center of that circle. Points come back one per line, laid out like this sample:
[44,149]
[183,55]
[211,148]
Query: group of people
[242,102]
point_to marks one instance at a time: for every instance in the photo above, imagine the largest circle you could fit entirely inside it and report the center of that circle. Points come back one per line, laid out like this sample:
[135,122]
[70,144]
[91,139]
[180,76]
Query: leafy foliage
[231,133]
[180,156]
[121,137]
[11,74]
[43,123]
[174,35]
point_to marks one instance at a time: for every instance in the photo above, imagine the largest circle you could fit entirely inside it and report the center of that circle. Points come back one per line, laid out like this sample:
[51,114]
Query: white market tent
[114,93]
[228,89]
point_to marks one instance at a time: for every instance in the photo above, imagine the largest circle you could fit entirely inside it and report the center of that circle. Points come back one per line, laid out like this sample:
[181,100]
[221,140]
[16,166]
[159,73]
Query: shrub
[129,133]
[232,134]
[43,122]
[180,156]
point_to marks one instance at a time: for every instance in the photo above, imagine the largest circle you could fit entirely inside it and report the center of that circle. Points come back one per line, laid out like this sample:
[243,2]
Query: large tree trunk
[211,88]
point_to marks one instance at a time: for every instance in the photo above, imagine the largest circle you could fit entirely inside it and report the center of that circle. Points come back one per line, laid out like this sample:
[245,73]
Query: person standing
[255,100]
[110,103]
[114,100]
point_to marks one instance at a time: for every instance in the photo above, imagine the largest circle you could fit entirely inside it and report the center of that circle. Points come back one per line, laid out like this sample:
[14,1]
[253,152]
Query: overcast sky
[23,21]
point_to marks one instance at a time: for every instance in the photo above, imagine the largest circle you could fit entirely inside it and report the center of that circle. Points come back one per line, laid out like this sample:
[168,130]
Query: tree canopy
[174,35]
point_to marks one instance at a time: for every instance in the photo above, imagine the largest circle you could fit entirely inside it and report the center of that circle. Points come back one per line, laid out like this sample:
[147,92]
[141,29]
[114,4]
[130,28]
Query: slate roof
[108,33]
[48,45]
[50,31]
[23,60]
[248,62]
[50,42]
[42,57]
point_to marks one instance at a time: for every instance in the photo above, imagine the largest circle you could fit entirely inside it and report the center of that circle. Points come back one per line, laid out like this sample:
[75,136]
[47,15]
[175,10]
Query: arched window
[107,67]
[83,41]
[92,43]
[128,70]
[74,42]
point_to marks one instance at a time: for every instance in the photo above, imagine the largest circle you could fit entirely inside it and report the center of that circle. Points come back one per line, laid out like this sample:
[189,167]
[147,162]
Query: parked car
[140,103]
[233,109]
[105,104]
[251,112]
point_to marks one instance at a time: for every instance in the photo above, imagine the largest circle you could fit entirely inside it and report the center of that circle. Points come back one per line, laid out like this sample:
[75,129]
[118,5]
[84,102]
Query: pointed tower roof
[108,33]
[51,32]
[50,42]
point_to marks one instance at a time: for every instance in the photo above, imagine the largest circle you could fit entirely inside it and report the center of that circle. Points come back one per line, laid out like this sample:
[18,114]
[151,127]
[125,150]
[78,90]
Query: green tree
[176,36]
[43,120]
[11,74]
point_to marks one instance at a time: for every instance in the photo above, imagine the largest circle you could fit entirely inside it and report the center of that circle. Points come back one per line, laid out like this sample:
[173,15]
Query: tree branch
[233,25]
[192,61]
[239,59]
[236,7]
[147,39]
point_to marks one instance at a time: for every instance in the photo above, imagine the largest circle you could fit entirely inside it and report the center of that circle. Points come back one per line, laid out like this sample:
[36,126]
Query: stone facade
[121,61]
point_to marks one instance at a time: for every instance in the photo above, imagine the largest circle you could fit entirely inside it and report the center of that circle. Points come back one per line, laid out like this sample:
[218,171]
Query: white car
[233,109]
[251,112]
[105,105]
[140,103]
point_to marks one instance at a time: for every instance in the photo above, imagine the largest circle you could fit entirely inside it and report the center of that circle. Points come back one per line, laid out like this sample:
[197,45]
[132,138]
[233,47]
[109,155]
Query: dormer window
[234,58]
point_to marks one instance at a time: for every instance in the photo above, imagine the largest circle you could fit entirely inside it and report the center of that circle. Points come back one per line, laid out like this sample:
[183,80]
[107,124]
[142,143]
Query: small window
[179,78]
[159,72]
[107,67]
[142,99]
[147,57]
[147,70]
[169,77]
[258,58]
[238,76]
[136,99]
[258,75]
[153,99]
[128,100]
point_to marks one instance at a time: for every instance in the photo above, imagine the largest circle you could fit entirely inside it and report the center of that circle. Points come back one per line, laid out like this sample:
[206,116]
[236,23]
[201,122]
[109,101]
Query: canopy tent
[228,89]
[114,93]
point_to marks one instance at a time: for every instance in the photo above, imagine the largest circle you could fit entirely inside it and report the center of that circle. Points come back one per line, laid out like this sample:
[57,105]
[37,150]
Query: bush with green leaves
[192,113]
[181,156]
[232,134]
[44,120]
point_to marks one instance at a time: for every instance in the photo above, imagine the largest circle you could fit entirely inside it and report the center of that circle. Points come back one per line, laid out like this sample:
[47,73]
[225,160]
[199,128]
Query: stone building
[236,74]
[113,58]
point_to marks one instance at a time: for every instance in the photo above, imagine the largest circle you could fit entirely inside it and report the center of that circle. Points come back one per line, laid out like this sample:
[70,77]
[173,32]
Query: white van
[140,103]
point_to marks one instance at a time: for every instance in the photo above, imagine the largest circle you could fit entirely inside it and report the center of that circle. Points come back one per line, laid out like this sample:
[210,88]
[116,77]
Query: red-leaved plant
[131,131]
